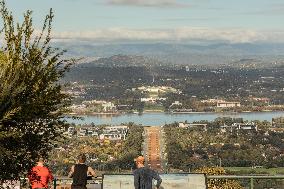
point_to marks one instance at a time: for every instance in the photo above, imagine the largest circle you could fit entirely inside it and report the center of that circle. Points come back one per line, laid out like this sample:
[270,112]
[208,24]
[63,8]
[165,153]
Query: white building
[150,99]
[114,133]
[176,103]
[118,128]
[158,89]
[108,107]
[211,100]
[193,125]
[183,125]
[224,104]
[239,126]
[112,136]
[71,131]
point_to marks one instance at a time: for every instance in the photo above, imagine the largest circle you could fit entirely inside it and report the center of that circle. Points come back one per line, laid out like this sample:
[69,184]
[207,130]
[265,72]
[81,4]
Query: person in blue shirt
[143,176]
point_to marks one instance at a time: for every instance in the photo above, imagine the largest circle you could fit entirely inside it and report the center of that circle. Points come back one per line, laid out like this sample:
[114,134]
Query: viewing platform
[181,181]
[173,181]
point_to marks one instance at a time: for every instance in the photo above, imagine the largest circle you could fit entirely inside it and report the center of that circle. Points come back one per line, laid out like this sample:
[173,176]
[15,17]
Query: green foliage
[131,147]
[192,148]
[98,153]
[105,155]
[31,101]
[199,83]
[218,183]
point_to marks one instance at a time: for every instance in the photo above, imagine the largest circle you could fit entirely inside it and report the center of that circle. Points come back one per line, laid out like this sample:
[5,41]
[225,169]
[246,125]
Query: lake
[159,119]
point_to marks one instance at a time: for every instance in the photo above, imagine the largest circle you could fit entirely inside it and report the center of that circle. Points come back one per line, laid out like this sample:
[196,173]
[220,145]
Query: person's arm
[136,180]
[50,176]
[90,170]
[157,177]
[71,172]
[30,175]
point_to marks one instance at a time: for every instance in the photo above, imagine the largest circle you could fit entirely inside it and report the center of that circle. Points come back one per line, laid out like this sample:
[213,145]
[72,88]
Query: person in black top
[80,172]
[143,176]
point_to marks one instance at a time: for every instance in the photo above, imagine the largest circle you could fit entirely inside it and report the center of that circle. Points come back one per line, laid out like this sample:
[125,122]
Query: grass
[154,107]
[249,170]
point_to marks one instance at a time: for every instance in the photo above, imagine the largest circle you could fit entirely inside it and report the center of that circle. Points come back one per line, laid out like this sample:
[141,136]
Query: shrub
[218,183]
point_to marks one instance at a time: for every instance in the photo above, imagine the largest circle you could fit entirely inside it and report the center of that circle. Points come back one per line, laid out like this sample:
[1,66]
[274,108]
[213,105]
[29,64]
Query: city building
[224,104]
[114,133]
[152,99]
[193,125]
[109,107]
[176,103]
[238,126]
[212,101]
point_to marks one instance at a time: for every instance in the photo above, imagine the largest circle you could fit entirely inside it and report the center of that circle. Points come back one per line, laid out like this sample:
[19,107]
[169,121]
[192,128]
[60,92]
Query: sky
[234,21]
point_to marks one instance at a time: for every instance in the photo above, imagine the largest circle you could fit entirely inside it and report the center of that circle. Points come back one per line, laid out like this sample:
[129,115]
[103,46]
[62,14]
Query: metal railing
[65,182]
[252,179]
[246,181]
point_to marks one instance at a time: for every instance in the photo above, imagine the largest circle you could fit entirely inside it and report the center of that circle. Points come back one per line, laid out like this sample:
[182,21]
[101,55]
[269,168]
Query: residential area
[112,133]
[225,142]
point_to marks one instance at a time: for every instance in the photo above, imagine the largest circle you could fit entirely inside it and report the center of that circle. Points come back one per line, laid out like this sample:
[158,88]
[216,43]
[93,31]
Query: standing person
[79,172]
[144,176]
[39,175]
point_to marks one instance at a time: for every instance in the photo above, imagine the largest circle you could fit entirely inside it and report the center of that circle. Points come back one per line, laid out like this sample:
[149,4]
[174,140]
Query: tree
[31,99]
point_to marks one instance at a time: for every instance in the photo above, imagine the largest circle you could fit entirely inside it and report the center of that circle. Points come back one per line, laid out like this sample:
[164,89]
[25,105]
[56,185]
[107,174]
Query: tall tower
[187,68]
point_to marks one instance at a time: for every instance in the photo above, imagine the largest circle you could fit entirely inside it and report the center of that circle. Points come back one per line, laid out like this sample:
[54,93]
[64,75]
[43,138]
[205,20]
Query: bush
[218,183]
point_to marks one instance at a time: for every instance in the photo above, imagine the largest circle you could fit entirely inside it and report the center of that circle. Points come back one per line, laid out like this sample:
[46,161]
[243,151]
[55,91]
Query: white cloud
[148,3]
[179,35]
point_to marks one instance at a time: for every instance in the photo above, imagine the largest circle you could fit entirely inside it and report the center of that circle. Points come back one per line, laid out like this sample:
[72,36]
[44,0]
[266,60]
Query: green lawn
[249,170]
[154,107]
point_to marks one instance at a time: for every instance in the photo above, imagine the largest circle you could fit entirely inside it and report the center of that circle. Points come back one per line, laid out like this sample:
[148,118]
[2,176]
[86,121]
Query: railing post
[54,183]
[251,183]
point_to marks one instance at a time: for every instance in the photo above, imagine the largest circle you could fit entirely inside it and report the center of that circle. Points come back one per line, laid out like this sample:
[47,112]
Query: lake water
[159,119]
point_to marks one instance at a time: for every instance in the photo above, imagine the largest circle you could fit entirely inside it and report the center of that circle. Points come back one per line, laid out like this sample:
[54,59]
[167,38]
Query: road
[153,148]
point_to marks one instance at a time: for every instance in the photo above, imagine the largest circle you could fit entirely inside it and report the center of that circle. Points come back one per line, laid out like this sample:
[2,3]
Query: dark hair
[82,158]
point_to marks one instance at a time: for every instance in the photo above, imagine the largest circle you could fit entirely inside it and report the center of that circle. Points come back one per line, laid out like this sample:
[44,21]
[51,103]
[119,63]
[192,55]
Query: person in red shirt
[39,175]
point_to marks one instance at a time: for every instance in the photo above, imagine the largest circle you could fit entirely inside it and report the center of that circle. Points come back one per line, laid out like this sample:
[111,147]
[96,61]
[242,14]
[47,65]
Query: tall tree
[31,99]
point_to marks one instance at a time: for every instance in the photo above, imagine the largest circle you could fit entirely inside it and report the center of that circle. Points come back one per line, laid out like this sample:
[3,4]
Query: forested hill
[123,61]
[136,69]
[122,68]
[177,53]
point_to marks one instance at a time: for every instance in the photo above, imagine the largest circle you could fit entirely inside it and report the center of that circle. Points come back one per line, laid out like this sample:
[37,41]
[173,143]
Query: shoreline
[156,118]
[152,112]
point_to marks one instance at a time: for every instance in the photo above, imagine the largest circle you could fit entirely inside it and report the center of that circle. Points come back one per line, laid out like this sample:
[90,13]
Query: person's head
[82,158]
[140,160]
[40,161]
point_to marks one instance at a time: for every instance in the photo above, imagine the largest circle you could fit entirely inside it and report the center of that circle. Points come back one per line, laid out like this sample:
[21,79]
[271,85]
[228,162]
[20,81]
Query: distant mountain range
[164,53]
[124,61]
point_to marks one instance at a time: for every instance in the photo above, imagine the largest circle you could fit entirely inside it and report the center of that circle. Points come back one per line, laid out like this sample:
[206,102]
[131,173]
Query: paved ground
[153,147]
